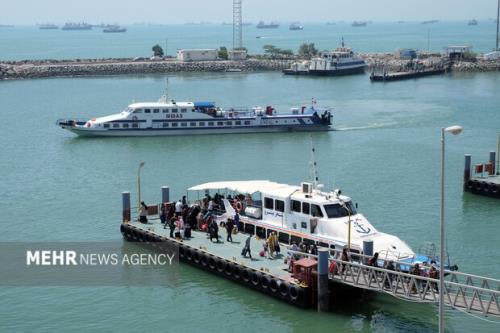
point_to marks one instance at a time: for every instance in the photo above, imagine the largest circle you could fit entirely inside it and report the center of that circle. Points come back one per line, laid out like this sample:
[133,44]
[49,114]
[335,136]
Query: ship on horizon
[77,26]
[113,28]
[48,26]
[272,25]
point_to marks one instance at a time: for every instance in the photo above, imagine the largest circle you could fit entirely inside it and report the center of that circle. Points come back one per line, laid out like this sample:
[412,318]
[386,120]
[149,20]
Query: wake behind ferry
[169,117]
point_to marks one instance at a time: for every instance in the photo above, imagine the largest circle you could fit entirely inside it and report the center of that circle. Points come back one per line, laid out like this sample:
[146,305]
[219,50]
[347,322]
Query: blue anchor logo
[361,229]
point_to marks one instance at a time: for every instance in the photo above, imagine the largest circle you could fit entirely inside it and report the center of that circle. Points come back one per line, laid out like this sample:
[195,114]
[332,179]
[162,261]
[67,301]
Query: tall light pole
[455,130]
[498,25]
[139,183]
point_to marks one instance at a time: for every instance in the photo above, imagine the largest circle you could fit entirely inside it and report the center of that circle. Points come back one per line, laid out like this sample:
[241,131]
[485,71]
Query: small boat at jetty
[114,28]
[169,117]
[341,61]
[413,70]
[77,26]
[272,25]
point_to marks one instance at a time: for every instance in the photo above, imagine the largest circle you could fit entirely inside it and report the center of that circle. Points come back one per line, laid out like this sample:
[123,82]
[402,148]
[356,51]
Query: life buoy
[181,252]
[294,292]
[239,206]
[495,189]
[479,186]
[487,187]
[134,118]
[470,184]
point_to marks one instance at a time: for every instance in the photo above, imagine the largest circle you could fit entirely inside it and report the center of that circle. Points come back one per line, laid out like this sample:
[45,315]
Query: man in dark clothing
[171,225]
[237,221]
[246,248]
[229,229]
[214,231]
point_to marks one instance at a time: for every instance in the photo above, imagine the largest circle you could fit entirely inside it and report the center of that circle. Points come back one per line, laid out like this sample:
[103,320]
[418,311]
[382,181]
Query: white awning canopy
[247,186]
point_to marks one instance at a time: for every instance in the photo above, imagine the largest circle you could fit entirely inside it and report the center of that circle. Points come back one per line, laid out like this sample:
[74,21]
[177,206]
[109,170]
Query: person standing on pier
[246,248]
[237,220]
[178,208]
[229,229]
[143,213]
[171,225]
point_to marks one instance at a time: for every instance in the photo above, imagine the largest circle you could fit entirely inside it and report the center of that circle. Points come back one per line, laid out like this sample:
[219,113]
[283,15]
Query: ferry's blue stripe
[214,127]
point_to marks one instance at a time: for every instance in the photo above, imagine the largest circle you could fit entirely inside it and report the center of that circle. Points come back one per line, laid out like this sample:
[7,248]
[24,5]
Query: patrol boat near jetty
[169,117]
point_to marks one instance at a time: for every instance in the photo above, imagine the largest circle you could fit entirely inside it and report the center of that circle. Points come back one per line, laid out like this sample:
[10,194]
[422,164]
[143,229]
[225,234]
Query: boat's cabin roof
[342,52]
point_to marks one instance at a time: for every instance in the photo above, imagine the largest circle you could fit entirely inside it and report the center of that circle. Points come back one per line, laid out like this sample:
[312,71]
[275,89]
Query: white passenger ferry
[341,61]
[302,213]
[185,118]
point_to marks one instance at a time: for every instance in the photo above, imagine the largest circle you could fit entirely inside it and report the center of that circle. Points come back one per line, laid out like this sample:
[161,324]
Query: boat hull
[89,132]
[338,72]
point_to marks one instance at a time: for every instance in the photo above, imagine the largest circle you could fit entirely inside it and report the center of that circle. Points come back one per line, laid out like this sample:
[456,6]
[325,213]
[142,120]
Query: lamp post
[139,182]
[455,130]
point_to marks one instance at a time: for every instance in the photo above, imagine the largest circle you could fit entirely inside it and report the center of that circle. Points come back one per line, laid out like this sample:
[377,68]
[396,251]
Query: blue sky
[179,11]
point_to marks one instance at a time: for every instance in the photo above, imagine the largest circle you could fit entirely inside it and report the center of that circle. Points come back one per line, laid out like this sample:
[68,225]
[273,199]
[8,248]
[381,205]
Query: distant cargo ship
[272,25]
[359,23]
[296,26]
[114,28]
[430,22]
[48,26]
[77,26]
[472,22]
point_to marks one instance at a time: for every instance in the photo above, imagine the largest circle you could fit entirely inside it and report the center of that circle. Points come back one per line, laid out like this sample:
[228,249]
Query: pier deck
[227,250]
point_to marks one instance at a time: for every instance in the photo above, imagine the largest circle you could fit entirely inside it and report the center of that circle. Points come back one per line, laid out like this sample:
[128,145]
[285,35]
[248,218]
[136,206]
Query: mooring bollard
[467,168]
[492,161]
[367,250]
[323,293]
[126,207]
[165,194]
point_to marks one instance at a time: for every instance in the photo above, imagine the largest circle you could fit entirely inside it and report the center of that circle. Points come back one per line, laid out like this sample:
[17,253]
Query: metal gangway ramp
[466,292]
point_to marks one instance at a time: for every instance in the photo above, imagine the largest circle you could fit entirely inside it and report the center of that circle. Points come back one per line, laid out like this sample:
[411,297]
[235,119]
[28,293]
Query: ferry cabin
[338,62]
[303,214]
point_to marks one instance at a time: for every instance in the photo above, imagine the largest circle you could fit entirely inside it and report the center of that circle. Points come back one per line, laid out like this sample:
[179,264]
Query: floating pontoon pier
[315,280]
[483,178]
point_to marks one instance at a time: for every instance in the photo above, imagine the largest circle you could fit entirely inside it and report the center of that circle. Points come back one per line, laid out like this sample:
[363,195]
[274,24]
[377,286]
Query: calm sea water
[26,42]
[385,154]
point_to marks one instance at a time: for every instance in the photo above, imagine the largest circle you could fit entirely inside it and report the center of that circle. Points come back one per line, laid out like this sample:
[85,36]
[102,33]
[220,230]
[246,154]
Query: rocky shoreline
[28,69]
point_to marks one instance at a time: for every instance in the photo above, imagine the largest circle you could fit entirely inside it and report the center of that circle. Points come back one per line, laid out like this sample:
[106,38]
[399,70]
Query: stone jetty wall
[53,68]
[92,67]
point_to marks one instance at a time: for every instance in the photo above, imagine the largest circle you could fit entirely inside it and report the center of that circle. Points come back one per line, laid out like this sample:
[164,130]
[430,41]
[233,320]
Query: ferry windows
[237,123]
[247,122]
[303,225]
[125,125]
[201,123]
[316,211]
[210,123]
[164,110]
[175,110]
[147,110]
[279,205]
[305,208]
[156,110]
[336,210]
[138,111]
[296,206]
[268,203]
[183,110]
[229,123]
[106,125]
[175,124]
[284,238]
[192,124]
[165,124]
[116,125]
[135,125]
[184,124]
[220,123]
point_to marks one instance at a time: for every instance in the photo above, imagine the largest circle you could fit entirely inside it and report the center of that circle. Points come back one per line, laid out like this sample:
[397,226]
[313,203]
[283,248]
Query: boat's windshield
[338,210]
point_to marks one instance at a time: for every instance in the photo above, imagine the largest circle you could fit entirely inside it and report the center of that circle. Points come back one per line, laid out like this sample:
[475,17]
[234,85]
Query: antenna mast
[313,174]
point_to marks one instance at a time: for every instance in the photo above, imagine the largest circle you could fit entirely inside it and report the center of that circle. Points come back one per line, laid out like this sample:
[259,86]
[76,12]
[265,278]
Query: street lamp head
[455,130]
[141,164]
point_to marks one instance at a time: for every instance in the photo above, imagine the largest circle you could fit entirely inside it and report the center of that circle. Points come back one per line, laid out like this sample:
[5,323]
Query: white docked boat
[302,213]
[341,61]
[169,117]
